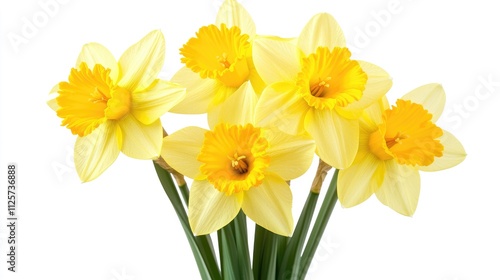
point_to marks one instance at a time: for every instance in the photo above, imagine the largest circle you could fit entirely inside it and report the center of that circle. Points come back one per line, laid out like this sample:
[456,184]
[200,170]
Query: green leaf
[228,252]
[240,230]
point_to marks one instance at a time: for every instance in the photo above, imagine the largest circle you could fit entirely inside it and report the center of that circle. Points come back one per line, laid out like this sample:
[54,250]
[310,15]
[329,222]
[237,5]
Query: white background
[121,226]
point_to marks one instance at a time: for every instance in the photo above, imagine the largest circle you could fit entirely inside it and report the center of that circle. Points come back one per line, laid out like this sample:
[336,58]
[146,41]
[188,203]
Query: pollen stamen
[223,60]
[318,89]
[238,163]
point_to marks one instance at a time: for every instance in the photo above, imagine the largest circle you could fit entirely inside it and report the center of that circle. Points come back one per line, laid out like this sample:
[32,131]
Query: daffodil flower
[395,143]
[238,165]
[115,106]
[218,61]
[315,87]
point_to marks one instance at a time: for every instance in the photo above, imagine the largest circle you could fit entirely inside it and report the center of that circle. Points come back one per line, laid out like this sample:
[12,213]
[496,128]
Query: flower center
[219,53]
[408,135]
[331,78]
[234,158]
[89,98]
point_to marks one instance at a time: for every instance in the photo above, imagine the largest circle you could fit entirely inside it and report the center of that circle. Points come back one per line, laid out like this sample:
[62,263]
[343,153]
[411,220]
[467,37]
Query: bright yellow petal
[209,209]
[199,92]
[94,53]
[453,154]
[141,63]
[141,141]
[373,113]
[276,60]
[95,152]
[151,104]
[270,205]
[280,106]
[181,149]
[322,30]
[400,189]
[290,155]
[359,181]
[379,82]
[336,138]
[232,13]
[52,98]
[431,96]
[239,108]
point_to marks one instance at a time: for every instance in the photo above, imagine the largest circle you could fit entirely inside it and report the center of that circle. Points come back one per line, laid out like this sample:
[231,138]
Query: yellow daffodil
[395,143]
[115,106]
[238,165]
[315,86]
[218,61]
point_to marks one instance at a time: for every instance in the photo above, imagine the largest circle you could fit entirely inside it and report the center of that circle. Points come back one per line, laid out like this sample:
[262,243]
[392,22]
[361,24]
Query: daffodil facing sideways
[395,143]
[239,166]
[114,105]
[315,87]
[217,62]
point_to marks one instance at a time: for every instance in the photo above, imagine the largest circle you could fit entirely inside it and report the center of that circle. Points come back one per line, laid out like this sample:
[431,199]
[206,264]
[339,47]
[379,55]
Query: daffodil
[217,62]
[114,105]
[395,143]
[315,87]
[239,166]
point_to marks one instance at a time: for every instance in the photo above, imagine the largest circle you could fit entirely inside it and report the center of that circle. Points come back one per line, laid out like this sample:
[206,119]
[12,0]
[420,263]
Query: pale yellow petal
[210,210]
[95,53]
[431,96]
[95,152]
[141,141]
[151,104]
[453,154]
[359,181]
[378,84]
[181,148]
[322,30]
[281,106]
[199,92]
[290,155]
[270,205]
[141,62]
[336,138]
[233,13]
[276,60]
[52,102]
[400,189]
[238,108]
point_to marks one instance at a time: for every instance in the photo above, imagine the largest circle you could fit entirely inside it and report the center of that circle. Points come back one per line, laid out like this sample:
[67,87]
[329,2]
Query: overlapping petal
[453,154]
[233,13]
[95,53]
[141,141]
[239,107]
[431,96]
[322,30]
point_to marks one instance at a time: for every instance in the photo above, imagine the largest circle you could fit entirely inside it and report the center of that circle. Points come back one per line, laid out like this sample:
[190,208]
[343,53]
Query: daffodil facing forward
[395,143]
[238,165]
[217,62]
[316,87]
[115,106]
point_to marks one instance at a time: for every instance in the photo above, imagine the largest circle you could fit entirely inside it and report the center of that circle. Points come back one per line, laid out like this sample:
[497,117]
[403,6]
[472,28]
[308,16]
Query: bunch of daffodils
[272,105]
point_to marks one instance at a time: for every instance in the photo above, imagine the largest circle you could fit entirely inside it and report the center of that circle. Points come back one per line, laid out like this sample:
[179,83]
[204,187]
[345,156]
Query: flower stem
[319,226]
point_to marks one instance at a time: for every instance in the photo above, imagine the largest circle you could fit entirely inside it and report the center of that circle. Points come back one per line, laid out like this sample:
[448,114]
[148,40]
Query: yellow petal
[209,209]
[336,138]
[151,104]
[238,108]
[400,189]
[232,14]
[280,106]
[94,53]
[373,113]
[359,181]
[141,141]
[290,155]
[181,149]
[141,63]
[453,154]
[52,98]
[431,96]
[95,152]
[322,30]
[199,92]
[276,60]
[379,82]
[270,205]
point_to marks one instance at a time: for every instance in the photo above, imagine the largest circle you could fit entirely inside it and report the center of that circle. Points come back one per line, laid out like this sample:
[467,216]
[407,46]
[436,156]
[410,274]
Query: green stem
[258,250]
[184,193]
[290,265]
[268,270]
[205,262]
[240,230]
[324,215]
[228,252]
